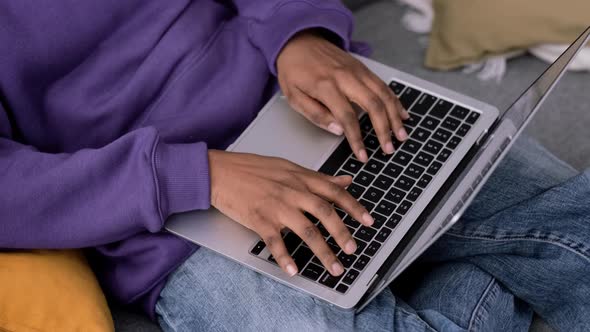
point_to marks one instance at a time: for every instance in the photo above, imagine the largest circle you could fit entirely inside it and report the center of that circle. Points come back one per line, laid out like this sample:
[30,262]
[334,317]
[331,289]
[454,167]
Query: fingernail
[402,134]
[335,129]
[406,114]
[350,247]
[388,148]
[367,218]
[337,268]
[363,156]
[291,270]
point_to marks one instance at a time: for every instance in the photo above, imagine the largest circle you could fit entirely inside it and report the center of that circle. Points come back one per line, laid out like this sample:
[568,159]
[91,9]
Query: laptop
[415,195]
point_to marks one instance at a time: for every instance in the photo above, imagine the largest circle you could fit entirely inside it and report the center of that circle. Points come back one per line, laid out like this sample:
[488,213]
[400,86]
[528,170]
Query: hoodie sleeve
[271,23]
[96,196]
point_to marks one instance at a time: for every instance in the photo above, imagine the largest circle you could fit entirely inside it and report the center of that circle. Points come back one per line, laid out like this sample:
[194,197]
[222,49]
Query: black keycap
[350,277]
[371,142]
[423,104]
[450,123]
[323,229]
[454,142]
[393,170]
[433,147]
[430,123]
[258,248]
[420,134]
[411,146]
[374,166]
[404,183]
[372,248]
[396,87]
[463,130]
[302,256]
[404,207]
[355,190]
[341,172]
[459,112]
[402,158]
[292,241]
[424,181]
[442,135]
[414,171]
[444,155]
[333,245]
[473,116]
[413,120]
[383,234]
[383,157]
[342,288]
[414,194]
[364,179]
[350,221]
[373,194]
[335,160]
[365,233]
[383,182]
[365,124]
[353,166]
[312,272]
[361,262]
[346,260]
[272,260]
[340,213]
[395,195]
[360,246]
[329,280]
[393,221]
[440,109]
[434,168]
[351,230]
[423,159]
[408,97]
[368,205]
[385,208]
[379,220]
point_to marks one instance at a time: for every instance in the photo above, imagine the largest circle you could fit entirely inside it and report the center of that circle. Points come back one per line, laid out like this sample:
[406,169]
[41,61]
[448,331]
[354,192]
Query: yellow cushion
[44,290]
[467,31]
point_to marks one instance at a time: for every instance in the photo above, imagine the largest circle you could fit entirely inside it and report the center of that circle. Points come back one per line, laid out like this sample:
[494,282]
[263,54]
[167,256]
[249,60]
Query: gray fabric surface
[562,125]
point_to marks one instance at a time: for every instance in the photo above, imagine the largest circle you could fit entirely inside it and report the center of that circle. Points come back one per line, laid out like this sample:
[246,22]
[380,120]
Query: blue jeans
[522,247]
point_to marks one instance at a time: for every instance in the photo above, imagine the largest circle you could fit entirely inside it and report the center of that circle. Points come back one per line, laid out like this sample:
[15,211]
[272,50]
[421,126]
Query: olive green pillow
[468,31]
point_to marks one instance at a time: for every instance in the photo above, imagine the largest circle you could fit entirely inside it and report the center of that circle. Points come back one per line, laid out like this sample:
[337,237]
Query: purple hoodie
[107,109]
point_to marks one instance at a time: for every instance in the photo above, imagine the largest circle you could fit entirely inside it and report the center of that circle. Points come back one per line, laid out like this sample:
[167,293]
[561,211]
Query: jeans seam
[164,317]
[480,308]
[407,313]
[569,245]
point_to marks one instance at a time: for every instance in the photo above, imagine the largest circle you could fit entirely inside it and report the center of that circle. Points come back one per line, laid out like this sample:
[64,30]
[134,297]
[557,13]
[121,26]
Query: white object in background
[419,19]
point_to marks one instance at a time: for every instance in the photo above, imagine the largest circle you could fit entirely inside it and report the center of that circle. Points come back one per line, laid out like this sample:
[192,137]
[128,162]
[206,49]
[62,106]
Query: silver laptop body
[281,132]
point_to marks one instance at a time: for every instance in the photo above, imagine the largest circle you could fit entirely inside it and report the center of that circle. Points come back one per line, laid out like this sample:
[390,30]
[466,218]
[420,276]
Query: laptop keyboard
[388,185]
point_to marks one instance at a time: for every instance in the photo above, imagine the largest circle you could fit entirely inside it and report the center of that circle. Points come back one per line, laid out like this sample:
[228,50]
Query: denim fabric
[523,246]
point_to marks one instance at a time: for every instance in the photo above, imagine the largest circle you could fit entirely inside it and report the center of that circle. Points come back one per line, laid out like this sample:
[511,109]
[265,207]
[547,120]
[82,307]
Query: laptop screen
[525,107]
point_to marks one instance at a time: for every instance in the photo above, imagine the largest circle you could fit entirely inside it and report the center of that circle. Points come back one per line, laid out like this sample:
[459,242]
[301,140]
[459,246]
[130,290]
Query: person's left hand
[320,81]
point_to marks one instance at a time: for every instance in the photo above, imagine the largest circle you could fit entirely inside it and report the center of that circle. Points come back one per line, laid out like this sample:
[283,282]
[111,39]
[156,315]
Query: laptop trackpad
[279,131]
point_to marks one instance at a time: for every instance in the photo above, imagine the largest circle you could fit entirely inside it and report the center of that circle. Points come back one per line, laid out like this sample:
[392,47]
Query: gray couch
[562,125]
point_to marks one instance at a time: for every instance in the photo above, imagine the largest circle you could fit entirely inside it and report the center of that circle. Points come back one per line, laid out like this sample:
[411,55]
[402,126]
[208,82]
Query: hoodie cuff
[271,35]
[182,176]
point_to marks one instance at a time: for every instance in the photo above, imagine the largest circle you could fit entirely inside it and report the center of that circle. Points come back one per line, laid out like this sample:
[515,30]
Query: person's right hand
[269,194]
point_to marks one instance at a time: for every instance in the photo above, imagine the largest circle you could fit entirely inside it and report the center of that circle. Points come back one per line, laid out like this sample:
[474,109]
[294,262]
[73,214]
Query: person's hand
[320,81]
[270,194]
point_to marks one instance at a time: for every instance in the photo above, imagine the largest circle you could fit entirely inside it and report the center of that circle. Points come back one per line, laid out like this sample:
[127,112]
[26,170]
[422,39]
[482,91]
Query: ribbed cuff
[271,35]
[182,174]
